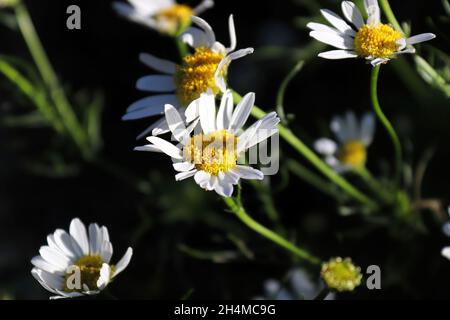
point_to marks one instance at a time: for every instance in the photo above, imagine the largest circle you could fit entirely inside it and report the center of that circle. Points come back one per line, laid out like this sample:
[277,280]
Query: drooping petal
[210,35]
[175,122]
[246,172]
[166,147]
[123,263]
[218,75]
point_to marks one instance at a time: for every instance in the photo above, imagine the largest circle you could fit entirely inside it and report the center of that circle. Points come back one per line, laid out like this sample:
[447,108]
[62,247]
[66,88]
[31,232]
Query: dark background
[103,55]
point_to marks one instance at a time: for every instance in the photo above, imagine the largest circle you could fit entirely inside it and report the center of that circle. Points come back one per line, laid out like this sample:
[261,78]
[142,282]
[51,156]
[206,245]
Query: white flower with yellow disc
[354,137]
[166,16]
[212,156]
[179,85]
[77,263]
[371,40]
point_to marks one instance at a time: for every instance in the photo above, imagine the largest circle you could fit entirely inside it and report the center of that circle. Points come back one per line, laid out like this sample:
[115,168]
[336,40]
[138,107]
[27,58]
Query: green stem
[303,149]
[38,98]
[240,212]
[373,184]
[45,68]
[386,7]
[311,178]
[182,48]
[386,123]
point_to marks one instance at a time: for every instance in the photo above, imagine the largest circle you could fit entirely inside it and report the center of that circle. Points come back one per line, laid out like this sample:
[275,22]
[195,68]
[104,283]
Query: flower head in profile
[211,156]
[371,39]
[165,16]
[354,137]
[180,84]
[341,274]
[77,263]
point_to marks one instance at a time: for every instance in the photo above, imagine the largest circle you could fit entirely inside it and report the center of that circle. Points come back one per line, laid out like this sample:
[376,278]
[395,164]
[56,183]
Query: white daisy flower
[88,252]
[211,157]
[165,16]
[371,40]
[350,152]
[179,85]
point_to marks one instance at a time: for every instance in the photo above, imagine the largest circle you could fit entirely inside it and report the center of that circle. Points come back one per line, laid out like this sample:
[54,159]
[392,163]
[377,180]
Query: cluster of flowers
[210,141]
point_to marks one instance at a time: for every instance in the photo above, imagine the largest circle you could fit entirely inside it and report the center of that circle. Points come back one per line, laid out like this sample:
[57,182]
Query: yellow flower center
[213,153]
[353,154]
[89,270]
[341,274]
[378,41]
[174,19]
[196,74]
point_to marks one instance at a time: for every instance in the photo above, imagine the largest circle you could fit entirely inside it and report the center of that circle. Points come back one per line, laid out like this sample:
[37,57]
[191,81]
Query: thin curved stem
[318,163]
[386,123]
[386,7]
[240,212]
[374,184]
[49,77]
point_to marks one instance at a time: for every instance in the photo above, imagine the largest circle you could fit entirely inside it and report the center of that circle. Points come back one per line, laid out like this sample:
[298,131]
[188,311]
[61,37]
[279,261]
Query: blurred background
[186,244]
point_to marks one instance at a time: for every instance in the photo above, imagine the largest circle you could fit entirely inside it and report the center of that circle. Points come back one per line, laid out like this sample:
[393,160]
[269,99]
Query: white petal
[242,112]
[95,239]
[123,263]
[225,111]
[148,148]
[146,8]
[66,244]
[246,172]
[338,54]
[154,102]
[42,264]
[220,79]
[340,42]
[337,22]
[105,276]
[166,147]
[204,5]
[367,128]
[36,274]
[157,128]
[202,178]
[49,281]
[339,129]
[323,28]
[79,235]
[184,175]
[156,83]
[192,111]
[352,14]
[175,122]
[325,146]
[232,31]
[158,64]
[195,38]
[373,12]
[183,166]
[408,51]
[210,36]
[378,61]
[106,251]
[207,110]
[446,252]
[352,126]
[223,187]
[420,38]
[258,132]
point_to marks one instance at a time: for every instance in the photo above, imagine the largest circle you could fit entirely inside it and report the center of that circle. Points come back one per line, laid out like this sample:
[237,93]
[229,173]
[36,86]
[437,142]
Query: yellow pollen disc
[379,41]
[196,74]
[341,274]
[175,18]
[89,267]
[353,154]
[213,153]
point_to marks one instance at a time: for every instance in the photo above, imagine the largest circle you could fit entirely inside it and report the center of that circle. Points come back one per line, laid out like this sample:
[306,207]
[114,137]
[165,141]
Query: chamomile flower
[165,16]
[87,252]
[179,85]
[350,152]
[372,40]
[211,156]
